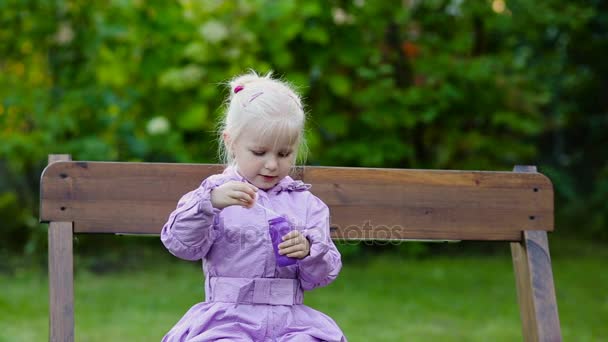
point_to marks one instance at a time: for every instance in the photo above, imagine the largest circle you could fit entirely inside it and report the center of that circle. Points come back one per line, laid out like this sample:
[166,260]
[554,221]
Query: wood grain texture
[61,277]
[524,291]
[534,281]
[535,287]
[523,282]
[364,203]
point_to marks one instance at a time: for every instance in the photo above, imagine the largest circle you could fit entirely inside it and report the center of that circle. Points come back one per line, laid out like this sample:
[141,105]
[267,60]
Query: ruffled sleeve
[323,263]
[192,226]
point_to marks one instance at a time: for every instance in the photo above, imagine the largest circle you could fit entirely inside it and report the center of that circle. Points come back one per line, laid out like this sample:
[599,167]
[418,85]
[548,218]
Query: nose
[271,163]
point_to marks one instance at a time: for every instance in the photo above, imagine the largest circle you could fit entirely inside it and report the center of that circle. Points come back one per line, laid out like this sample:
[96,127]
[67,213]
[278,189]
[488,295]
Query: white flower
[341,17]
[454,8]
[65,34]
[158,125]
[213,31]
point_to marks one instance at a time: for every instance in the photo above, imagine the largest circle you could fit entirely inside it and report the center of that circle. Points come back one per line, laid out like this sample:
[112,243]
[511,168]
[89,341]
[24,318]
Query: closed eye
[258,153]
[284,154]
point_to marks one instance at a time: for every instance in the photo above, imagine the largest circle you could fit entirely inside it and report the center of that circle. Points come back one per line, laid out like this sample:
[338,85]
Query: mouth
[268,178]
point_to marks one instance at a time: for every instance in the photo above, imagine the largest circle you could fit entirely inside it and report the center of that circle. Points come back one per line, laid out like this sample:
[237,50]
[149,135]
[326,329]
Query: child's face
[264,160]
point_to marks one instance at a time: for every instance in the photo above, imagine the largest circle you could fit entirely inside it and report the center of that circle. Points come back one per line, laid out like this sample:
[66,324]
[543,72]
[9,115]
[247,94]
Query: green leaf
[339,84]
[194,119]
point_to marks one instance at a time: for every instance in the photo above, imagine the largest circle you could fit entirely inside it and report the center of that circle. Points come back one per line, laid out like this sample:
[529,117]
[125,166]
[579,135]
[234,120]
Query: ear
[226,138]
[227,142]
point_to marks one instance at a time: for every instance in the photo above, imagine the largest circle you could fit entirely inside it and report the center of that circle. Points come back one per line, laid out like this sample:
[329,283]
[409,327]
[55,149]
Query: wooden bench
[365,204]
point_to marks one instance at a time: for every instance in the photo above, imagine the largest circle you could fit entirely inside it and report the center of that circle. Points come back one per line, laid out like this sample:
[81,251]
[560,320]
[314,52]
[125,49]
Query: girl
[225,222]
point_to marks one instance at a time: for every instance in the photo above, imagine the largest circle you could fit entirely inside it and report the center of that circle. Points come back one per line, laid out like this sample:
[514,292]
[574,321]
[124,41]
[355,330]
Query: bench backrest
[365,204]
[107,197]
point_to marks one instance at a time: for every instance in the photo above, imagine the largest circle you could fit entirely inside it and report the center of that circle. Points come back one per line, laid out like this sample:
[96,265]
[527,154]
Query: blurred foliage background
[447,84]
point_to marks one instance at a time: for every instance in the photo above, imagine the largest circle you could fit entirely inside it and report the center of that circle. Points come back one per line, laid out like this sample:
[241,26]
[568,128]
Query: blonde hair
[264,103]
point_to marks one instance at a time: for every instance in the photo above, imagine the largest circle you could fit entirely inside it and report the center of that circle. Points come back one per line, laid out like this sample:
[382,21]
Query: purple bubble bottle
[279,226]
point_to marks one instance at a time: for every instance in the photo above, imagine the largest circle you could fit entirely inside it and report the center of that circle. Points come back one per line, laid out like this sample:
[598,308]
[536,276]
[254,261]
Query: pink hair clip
[238,88]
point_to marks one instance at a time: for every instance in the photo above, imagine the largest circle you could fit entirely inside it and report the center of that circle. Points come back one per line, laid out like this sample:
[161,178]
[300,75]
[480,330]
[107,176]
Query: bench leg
[535,289]
[61,275]
[61,282]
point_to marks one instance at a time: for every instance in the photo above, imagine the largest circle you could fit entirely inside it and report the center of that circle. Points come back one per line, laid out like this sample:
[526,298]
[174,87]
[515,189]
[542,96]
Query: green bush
[414,84]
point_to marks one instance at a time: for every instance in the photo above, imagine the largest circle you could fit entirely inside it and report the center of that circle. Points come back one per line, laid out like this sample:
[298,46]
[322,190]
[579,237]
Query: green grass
[447,299]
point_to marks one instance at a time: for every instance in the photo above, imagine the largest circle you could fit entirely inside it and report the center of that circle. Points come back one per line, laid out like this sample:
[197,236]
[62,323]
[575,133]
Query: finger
[252,187]
[292,242]
[292,234]
[239,186]
[246,187]
[241,198]
[252,196]
[246,204]
[239,195]
[292,249]
[297,255]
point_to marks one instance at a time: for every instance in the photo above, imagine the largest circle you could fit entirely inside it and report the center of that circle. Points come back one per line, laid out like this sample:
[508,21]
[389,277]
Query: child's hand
[233,193]
[294,245]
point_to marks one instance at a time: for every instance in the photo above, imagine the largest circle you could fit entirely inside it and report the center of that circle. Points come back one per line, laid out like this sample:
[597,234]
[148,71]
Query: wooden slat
[365,203]
[61,277]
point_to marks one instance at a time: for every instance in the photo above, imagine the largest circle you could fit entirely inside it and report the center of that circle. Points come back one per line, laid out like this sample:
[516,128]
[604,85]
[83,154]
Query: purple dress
[247,296]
